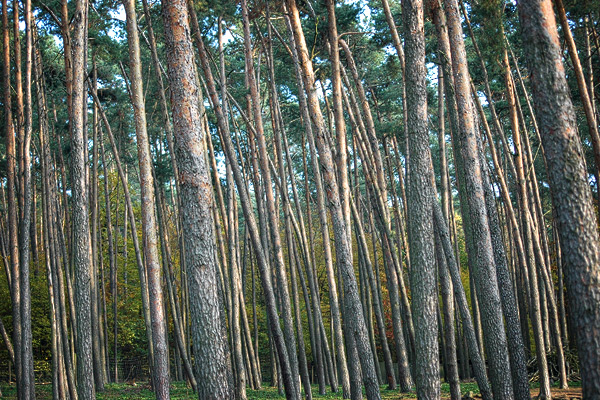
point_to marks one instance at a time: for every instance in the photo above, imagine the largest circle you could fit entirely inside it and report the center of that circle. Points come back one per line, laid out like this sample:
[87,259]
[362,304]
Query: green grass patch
[179,390]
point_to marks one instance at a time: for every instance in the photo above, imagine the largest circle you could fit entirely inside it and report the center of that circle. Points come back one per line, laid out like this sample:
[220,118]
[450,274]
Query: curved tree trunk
[571,196]
[353,310]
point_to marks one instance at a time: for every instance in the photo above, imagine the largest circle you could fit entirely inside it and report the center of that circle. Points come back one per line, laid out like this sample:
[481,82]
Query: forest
[300,199]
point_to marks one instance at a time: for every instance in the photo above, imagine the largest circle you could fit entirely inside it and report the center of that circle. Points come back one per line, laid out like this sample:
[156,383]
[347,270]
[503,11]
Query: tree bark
[420,202]
[571,196]
[484,274]
[160,370]
[213,364]
[12,208]
[81,249]
[354,319]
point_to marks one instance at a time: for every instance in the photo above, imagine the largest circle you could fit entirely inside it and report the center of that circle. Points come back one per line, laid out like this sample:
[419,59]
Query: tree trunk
[213,364]
[13,241]
[286,309]
[93,185]
[354,319]
[509,305]
[111,259]
[465,147]
[133,225]
[420,203]
[160,344]
[571,196]
[81,250]
[273,319]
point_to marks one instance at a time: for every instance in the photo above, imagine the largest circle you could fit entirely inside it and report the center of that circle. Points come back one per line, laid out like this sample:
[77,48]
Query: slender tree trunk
[93,185]
[128,213]
[378,187]
[111,259]
[389,367]
[59,355]
[584,93]
[461,300]
[354,318]
[11,203]
[449,333]
[236,308]
[322,344]
[181,346]
[278,130]
[286,310]
[160,344]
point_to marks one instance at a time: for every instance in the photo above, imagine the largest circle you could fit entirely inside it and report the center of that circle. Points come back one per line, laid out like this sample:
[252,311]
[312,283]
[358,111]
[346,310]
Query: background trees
[292,165]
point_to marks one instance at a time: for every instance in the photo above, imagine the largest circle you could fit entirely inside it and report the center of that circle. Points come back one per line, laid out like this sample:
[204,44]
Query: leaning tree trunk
[465,147]
[265,273]
[286,308]
[354,319]
[322,210]
[571,196]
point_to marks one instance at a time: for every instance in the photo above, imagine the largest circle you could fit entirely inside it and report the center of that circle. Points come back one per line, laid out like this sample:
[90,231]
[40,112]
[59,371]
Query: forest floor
[179,390]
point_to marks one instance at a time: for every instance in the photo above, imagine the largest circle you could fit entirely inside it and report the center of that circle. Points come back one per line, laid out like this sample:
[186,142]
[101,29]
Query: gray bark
[160,370]
[354,319]
[465,146]
[81,249]
[571,196]
[213,365]
[420,203]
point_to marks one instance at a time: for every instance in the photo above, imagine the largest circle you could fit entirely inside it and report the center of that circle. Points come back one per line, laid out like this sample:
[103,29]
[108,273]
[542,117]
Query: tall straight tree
[27,374]
[160,363]
[571,195]
[213,364]
[12,211]
[420,211]
[81,247]
[342,158]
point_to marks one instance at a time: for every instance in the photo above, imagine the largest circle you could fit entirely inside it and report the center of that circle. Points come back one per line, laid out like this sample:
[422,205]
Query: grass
[179,390]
